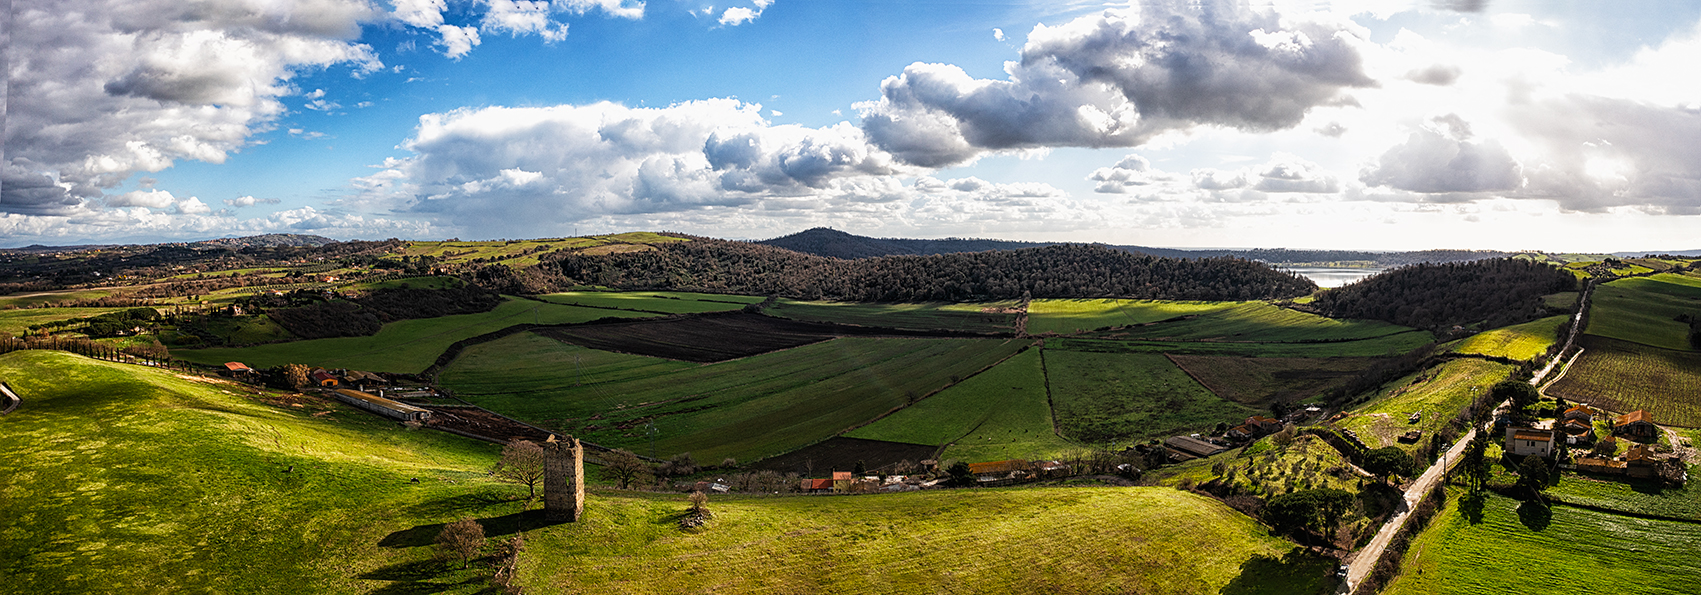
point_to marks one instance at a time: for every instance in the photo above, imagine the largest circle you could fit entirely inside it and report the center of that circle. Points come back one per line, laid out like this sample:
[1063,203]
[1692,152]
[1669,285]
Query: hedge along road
[1372,552]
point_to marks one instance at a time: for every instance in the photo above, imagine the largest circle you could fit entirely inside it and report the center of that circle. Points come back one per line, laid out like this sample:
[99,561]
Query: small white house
[1529,441]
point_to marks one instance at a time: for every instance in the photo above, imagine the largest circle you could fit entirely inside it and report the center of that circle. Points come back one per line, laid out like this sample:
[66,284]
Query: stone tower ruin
[563,479]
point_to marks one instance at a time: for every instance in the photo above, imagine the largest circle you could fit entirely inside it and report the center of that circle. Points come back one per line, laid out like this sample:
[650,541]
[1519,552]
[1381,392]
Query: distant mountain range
[822,241]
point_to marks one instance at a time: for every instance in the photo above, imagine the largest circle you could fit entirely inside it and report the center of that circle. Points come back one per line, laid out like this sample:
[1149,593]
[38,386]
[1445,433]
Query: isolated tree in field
[625,468]
[1387,462]
[1475,465]
[1533,474]
[699,503]
[1521,394]
[521,463]
[460,540]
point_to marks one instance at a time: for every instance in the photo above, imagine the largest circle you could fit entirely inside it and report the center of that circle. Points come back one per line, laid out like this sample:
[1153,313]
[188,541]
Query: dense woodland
[1495,292]
[314,317]
[1068,271]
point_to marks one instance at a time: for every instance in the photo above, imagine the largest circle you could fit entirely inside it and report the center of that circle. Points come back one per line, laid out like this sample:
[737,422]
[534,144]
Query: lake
[1333,277]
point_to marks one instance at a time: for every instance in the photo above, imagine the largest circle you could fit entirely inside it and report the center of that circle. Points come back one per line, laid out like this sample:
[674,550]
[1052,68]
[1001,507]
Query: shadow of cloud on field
[502,526]
[1286,575]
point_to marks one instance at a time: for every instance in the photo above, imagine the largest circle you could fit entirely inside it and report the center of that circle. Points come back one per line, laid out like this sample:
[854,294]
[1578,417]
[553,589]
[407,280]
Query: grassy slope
[1114,397]
[119,478]
[32,298]
[1073,316]
[1259,322]
[1439,393]
[1642,309]
[1520,341]
[747,408]
[1576,551]
[1057,540]
[17,322]
[955,317]
[653,301]
[406,346]
[999,414]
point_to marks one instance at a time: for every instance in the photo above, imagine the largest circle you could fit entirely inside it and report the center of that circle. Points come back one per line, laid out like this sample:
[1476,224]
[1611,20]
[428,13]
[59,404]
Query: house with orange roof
[1637,425]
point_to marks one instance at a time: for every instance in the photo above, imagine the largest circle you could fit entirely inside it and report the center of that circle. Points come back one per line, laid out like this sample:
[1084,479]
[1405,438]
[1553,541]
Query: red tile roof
[841,476]
[1635,416]
[236,366]
[817,484]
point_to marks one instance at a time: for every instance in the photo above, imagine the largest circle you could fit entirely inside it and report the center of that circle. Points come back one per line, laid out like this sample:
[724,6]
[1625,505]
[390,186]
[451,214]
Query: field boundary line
[936,391]
[1050,403]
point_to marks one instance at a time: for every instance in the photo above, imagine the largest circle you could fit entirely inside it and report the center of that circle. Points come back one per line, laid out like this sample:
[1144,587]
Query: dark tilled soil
[483,423]
[715,337]
[841,454]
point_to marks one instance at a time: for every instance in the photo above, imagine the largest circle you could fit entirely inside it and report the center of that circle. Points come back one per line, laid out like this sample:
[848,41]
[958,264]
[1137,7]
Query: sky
[1383,125]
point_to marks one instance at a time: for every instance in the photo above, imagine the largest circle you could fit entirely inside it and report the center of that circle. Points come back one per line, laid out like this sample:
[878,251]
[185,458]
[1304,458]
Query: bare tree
[521,463]
[699,503]
[460,540]
[625,468]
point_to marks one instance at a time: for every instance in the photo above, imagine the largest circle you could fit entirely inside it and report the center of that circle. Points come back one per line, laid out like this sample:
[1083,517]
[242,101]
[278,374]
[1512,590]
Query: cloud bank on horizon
[1162,123]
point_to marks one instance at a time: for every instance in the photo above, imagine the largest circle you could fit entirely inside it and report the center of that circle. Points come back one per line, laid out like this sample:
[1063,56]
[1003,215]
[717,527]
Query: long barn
[382,406]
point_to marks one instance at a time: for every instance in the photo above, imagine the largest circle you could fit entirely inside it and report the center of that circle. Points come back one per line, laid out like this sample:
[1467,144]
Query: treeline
[365,315]
[1067,271]
[1495,292]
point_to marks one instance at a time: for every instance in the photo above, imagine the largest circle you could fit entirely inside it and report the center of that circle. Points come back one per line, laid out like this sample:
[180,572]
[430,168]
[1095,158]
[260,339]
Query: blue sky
[1379,125]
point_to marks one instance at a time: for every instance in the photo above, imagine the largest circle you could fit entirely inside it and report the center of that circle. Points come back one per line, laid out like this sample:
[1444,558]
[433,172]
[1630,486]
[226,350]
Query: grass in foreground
[999,414]
[1054,540]
[990,317]
[1102,397]
[1520,341]
[404,346]
[1502,546]
[119,478]
[1438,393]
[1623,376]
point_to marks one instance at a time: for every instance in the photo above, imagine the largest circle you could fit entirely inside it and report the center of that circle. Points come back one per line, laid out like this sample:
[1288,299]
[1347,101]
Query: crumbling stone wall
[563,479]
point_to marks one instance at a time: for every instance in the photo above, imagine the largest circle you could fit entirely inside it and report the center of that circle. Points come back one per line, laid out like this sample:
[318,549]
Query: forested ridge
[1496,292]
[1065,271]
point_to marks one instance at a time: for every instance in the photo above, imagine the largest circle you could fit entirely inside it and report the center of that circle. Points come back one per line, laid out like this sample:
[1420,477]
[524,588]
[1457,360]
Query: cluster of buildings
[1576,427]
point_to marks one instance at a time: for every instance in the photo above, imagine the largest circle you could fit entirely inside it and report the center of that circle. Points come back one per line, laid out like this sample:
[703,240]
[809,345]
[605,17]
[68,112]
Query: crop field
[1384,346]
[747,408]
[1106,397]
[1520,341]
[999,414]
[120,478]
[1259,381]
[24,300]
[404,346]
[1068,317]
[1635,496]
[711,337]
[661,302]
[1484,548]
[15,323]
[1055,540]
[1438,393]
[989,317]
[1623,376]
[1258,322]
[1642,309]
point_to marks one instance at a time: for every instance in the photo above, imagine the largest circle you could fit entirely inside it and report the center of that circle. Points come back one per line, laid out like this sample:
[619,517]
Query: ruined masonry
[563,479]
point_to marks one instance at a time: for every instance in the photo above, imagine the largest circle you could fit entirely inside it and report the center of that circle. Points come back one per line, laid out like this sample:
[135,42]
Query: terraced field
[747,408]
[1116,398]
[1642,309]
[1482,549]
[1438,393]
[404,346]
[1624,376]
[1520,341]
[999,414]
[988,317]
[1068,317]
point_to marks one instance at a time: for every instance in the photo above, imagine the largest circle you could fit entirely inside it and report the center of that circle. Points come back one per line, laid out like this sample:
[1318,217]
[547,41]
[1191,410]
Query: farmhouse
[1529,441]
[1637,425]
[1183,448]
[841,481]
[1580,412]
[1578,432]
[817,486]
[238,369]
[382,406]
[997,473]
[323,378]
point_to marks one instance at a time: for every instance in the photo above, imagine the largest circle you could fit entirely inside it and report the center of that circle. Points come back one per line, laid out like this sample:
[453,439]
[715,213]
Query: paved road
[1367,557]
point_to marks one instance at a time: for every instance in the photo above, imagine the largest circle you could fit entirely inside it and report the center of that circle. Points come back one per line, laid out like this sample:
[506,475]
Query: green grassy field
[1563,299]
[405,346]
[1389,345]
[1642,309]
[1258,322]
[1504,548]
[1054,540]
[746,408]
[1107,397]
[1067,317]
[1438,393]
[123,479]
[1258,381]
[1635,496]
[15,323]
[522,253]
[33,298]
[999,414]
[991,317]
[1623,376]
[665,302]
[1520,341]
[1265,469]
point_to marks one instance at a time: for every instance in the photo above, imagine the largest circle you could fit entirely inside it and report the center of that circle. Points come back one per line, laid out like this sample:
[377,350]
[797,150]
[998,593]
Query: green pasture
[1258,322]
[1055,540]
[747,408]
[25,300]
[1439,393]
[16,323]
[1524,342]
[661,302]
[1634,496]
[1642,309]
[1258,381]
[430,282]
[404,346]
[999,414]
[1388,345]
[123,479]
[1623,376]
[1068,317]
[1501,545]
[1113,397]
[1563,299]
[989,317]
